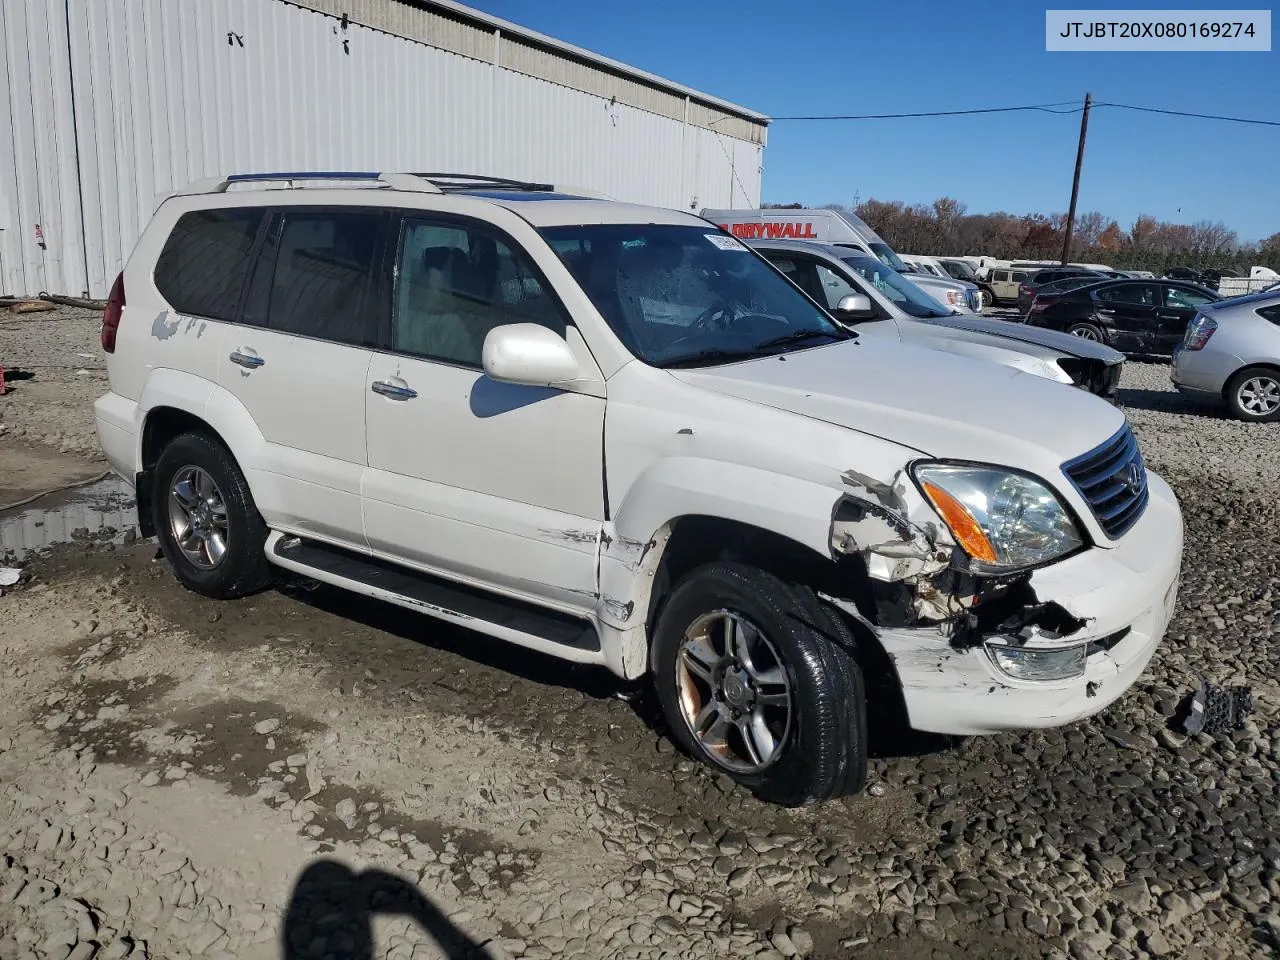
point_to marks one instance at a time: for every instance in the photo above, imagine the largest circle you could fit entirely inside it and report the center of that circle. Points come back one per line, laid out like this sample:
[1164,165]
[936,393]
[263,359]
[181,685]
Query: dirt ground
[307,774]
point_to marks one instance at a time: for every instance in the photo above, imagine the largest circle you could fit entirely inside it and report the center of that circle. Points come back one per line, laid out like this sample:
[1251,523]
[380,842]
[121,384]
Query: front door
[297,363]
[1179,306]
[1128,310]
[490,483]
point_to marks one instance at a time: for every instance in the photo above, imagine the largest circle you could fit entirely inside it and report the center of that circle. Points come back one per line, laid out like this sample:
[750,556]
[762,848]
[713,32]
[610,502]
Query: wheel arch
[173,403]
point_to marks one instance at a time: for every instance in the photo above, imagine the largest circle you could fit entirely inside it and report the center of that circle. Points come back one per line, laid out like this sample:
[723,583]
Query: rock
[83,951]
[346,812]
[1157,944]
[56,721]
[1135,897]
[48,840]
[264,727]
[802,939]
[175,773]
[151,779]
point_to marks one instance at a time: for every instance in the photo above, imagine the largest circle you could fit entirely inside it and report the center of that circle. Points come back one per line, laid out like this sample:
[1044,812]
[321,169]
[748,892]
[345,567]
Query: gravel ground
[306,774]
[55,370]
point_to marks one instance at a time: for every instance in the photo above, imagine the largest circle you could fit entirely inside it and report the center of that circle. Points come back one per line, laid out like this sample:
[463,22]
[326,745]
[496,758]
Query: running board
[557,634]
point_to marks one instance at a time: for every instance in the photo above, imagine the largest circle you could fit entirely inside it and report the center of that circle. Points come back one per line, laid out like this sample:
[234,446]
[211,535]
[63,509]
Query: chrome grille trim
[1113,480]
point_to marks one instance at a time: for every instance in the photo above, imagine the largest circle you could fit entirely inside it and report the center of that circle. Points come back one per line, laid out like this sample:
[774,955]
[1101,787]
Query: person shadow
[331,911]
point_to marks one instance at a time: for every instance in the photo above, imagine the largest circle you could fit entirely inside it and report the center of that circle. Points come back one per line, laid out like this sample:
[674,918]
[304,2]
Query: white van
[842,230]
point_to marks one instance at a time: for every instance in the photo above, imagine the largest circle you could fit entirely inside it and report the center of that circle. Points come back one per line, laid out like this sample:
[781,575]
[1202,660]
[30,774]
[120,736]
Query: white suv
[616,435]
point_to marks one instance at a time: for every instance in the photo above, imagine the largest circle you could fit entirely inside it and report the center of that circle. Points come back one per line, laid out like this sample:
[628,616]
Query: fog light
[1038,663]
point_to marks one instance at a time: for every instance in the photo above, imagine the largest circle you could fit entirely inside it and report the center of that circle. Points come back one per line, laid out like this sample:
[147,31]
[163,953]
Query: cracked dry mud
[307,774]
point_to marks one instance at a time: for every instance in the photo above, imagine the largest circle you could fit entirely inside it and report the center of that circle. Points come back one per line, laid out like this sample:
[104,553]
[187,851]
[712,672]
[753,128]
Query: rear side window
[1271,313]
[1140,294]
[202,267]
[1018,277]
[319,279]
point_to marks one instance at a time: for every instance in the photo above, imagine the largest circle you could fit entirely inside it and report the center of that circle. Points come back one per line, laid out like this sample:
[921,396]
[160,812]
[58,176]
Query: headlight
[1005,521]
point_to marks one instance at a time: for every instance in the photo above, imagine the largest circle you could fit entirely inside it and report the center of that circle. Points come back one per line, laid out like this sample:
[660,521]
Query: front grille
[1113,479]
[973,299]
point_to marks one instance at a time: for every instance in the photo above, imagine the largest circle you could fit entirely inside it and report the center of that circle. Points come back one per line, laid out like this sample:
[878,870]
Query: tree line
[946,228]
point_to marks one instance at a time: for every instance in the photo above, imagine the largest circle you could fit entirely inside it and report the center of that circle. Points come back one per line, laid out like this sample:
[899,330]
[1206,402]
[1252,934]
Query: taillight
[1023,288]
[1198,332]
[111,315]
[1039,306]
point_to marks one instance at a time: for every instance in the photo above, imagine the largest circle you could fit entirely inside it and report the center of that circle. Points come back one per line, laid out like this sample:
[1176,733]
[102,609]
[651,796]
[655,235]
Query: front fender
[676,487]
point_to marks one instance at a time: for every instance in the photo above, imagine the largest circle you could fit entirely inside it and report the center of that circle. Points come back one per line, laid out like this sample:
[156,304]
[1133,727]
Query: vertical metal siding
[161,95]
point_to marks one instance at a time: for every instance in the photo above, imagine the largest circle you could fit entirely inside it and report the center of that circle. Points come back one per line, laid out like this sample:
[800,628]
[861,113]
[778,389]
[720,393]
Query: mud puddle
[103,511]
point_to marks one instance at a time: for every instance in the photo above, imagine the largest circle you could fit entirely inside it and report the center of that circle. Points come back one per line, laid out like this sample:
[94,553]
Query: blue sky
[833,56]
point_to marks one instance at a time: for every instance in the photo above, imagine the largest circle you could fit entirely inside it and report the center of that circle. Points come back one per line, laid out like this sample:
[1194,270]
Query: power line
[1043,107]
[1064,107]
[1183,113]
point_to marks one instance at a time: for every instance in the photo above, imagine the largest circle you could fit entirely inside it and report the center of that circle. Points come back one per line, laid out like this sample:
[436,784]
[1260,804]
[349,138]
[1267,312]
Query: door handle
[393,391]
[1108,312]
[247,358]
[1168,316]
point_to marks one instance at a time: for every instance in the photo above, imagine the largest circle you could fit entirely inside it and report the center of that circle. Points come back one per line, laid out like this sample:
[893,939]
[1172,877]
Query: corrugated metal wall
[166,91]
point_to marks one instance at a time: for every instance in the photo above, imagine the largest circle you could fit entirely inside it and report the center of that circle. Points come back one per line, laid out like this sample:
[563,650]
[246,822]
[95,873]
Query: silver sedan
[1231,354]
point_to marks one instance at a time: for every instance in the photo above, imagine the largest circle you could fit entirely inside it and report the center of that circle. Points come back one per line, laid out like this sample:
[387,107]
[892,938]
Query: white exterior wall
[162,97]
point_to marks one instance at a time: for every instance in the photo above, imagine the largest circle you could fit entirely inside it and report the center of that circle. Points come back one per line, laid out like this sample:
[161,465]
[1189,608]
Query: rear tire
[208,526]
[723,699]
[1253,395]
[1087,331]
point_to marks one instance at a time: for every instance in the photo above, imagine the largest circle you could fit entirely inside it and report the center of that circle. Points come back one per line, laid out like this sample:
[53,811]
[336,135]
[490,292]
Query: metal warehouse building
[111,103]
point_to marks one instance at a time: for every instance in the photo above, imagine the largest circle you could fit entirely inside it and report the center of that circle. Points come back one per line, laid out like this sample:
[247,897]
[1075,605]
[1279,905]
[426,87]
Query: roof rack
[470,181]
[411,182]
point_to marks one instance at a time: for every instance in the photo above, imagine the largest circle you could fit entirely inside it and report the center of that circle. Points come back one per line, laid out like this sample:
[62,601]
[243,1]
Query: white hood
[939,404]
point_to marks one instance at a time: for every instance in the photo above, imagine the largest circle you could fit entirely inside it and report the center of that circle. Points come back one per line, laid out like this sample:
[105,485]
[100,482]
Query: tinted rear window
[202,267]
[323,279]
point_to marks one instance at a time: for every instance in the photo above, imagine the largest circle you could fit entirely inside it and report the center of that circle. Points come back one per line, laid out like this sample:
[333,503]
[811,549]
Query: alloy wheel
[1259,395]
[198,517]
[734,692]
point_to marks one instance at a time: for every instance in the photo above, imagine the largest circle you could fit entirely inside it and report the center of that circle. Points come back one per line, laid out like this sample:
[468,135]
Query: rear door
[297,362]
[1179,306]
[1129,310]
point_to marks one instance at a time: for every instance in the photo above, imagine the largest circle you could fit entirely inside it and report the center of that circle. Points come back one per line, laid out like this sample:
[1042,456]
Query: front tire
[757,678]
[1253,395]
[205,519]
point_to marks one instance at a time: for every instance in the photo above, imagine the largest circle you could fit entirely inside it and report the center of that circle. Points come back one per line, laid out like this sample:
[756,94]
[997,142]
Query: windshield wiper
[799,337]
[709,356]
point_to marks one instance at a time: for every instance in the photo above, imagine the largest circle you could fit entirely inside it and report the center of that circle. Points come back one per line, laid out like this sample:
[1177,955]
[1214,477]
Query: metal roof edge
[479,17]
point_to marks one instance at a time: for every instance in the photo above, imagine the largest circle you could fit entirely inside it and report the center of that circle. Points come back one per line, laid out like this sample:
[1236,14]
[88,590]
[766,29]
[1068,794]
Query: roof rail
[470,181]
[395,181]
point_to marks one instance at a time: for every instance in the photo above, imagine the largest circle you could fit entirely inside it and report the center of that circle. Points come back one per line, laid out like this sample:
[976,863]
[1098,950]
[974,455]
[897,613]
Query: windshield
[904,294]
[886,255]
[688,295]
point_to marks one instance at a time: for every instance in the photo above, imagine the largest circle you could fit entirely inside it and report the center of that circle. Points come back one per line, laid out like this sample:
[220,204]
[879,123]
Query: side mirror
[856,306]
[528,354]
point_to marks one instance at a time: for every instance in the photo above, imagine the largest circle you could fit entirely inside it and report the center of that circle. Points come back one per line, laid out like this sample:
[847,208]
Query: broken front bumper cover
[1125,594]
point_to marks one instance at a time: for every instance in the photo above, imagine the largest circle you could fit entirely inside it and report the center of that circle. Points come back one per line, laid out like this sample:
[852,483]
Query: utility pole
[1075,183]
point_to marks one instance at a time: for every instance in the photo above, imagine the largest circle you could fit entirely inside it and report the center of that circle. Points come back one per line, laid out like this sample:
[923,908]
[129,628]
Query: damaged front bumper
[1124,595]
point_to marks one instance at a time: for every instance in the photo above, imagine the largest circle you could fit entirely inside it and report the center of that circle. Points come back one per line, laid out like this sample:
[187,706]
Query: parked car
[1185,274]
[899,311]
[1231,355]
[1146,317]
[1004,283]
[1027,289]
[616,435]
[1054,288]
[844,229]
